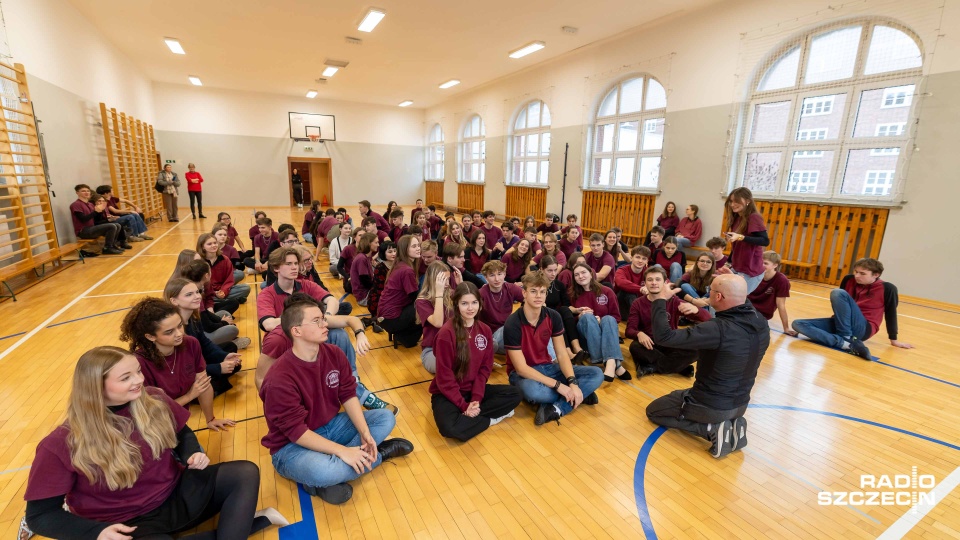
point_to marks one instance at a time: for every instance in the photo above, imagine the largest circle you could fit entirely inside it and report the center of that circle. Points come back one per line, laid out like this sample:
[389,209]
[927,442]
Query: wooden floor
[820,420]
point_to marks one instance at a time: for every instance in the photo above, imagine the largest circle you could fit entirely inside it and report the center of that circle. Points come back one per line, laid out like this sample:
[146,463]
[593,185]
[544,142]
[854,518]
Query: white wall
[57,44]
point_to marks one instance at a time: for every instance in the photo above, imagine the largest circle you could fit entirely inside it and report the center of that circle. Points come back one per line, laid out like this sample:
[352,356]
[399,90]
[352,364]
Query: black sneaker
[367,321]
[546,413]
[336,494]
[582,358]
[592,399]
[125,246]
[644,369]
[858,348]
[739,433]
[688,371]
[722,439]
[112,251]
[393,448]
[87,254]
[377,328]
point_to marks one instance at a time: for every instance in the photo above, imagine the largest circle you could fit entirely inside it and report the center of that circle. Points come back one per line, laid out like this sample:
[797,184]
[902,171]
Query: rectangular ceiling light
[406,103]
[174,46]
[312,94]
[528,49]
[195,81]
[330,71]
[450,83]
[371,20]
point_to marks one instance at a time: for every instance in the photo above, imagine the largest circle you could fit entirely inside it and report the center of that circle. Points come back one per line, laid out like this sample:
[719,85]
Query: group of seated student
[93,217]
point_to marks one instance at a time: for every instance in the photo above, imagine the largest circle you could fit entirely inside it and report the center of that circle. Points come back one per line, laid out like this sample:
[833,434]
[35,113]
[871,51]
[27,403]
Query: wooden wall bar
[632,212]
[821,242]
[469,197]
[526,201]
[434,194]
[26,219]
[132,154]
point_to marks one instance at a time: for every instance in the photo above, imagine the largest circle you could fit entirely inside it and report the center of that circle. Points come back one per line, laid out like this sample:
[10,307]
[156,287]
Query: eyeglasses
[320,322]
[291,242]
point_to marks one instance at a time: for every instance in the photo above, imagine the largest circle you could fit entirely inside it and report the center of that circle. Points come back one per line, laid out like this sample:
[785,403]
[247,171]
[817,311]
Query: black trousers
[226,304]
[109,231]
[666,359]
[404,327]
[625,300]
[678,410]
[198,196]
[498,400]
[570,332]
[298,193]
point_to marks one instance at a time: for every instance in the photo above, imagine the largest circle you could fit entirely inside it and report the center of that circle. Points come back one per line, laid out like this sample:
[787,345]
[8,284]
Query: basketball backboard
[320,126]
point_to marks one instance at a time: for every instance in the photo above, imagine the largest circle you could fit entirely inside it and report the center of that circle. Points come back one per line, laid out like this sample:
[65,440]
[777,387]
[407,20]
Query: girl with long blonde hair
[128,466]
[433,306]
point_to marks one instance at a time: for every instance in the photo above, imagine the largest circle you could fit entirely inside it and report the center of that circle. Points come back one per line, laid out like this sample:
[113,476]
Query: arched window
[473,150]
[530,145]
[627,139]
[830,114]
[434,159]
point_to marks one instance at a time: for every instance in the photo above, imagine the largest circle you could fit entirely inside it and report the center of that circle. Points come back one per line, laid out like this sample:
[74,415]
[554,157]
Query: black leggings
[405,327]
[235,499]
[198,196]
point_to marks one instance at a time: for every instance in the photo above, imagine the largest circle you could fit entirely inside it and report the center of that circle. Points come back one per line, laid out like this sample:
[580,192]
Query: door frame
[291,160]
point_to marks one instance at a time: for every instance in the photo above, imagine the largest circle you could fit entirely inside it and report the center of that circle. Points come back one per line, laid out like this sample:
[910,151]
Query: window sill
[471,182]
[435,181]
[654,192]
[870,203]
[533,186]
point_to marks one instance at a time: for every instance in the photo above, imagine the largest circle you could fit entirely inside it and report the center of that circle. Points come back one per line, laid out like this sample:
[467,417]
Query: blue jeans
[675,272]
[847,321]
[752,281]
[338,337]
[238,276]
[239,292]
[134,222]
[499,348]
[321,470]
[308,238]
[688,289]
[589,379]
[602,338]
[684,242]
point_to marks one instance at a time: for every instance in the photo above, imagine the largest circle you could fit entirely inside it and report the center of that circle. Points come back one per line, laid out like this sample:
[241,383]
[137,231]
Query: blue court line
[306,528]
[90,316]
[643,510]
[12,335]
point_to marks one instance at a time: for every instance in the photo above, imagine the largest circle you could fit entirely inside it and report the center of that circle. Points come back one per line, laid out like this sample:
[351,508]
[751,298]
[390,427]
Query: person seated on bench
[690,228]
[132,219]
[730,347]
[104,217]
[82,212]
[311,442]
[859,306]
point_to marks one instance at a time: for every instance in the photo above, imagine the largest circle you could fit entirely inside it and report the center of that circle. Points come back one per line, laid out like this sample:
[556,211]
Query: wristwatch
[358,332]
[556,386]
[572,381]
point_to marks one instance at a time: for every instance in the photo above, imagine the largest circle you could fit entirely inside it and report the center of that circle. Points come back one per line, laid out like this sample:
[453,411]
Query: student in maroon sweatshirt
[600,260]
[365,212]
[478,254]
[771,296]
[570,241]
[859,306]
[550,224]
[397,228]
[83,212]
[649,357]
[494,234]
[690,228]
[311,441]
[668,219]
[748,234]
[671,258]
[628,282]
[572,224]
[221,272]
[464,405]
[498,297]
[598,322]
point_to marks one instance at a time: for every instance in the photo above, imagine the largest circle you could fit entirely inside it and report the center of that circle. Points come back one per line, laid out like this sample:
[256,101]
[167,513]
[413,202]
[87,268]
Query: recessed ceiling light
[312,94]
[174,46]
[330,71]
[406,103]
[450,83]
[195,81]
[371,20]
[527,49]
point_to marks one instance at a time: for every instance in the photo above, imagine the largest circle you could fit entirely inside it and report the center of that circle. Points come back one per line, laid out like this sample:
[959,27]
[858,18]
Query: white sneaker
[495,421]
[272,514]
[250,271]
[242,342]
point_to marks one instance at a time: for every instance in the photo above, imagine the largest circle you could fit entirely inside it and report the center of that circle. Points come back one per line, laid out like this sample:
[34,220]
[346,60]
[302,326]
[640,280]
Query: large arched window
[473,150]
[830,115]
[530,145]
[627,139]
[434,159]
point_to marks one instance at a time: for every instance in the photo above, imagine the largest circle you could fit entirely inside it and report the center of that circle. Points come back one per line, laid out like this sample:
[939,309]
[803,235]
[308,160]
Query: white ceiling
[279,46]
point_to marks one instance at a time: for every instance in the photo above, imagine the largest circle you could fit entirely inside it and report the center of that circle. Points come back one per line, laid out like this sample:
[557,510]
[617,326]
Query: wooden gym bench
[38,263]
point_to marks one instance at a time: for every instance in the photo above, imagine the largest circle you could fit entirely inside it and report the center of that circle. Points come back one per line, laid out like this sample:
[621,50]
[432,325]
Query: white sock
[845,346]
[495,421]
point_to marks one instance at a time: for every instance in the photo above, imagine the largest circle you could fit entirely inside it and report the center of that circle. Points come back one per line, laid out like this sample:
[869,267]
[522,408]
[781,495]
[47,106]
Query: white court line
[120,294]
[162,254]
[73,302]
[908,521]
[898,314]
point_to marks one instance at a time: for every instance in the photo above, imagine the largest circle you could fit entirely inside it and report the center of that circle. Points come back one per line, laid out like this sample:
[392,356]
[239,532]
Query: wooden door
[321,182]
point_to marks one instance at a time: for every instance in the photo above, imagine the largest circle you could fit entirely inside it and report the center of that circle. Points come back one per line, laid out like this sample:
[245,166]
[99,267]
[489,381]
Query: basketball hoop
[314,138]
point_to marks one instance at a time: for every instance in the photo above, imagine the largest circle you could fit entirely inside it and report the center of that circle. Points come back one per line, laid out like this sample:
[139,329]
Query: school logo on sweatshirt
[602,300]
[480,342]
[333,379]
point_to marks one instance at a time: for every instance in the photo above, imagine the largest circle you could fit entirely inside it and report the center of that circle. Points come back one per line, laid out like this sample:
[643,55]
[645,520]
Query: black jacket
[731,346]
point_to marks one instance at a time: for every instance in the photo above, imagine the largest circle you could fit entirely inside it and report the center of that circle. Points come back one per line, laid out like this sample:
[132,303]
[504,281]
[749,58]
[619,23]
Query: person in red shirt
[221,273]
[671,258]
[365,212]
[310,440]
[433,221]
[748,234]
[255,230]
[195,189]
[859,306]
[550,247]
[263,243]
[668,219]
[397,228]
[118,475]
[558,386]
[655,240]
[598,322]
[570,241]
[498,297]
[478,253]
[421,221]
[433,307]
[695,284]
[518,260]
[396,312]
[690,228]
[649,357]
[494,234]
[464,405]
[83,213]
[600,260]
[773,292]
[572,224]
[628,281]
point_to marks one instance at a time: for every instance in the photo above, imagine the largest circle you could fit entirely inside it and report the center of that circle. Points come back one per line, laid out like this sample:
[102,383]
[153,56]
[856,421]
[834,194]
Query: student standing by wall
[195,190]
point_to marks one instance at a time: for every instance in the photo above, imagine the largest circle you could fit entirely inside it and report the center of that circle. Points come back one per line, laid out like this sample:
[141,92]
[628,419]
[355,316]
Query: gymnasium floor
[820,420]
